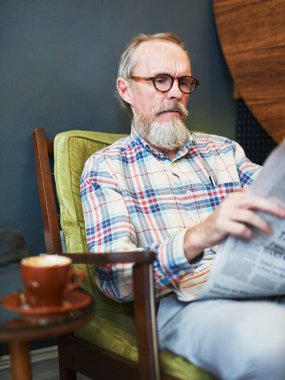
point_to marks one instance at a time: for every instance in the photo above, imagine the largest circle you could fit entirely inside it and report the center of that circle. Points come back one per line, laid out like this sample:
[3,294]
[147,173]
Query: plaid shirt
[135,197]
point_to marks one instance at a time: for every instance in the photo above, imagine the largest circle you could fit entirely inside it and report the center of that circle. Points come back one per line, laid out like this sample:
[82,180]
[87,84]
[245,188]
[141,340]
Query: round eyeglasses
[164,82]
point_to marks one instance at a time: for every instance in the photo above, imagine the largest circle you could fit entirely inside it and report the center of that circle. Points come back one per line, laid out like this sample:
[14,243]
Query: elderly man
[179,194]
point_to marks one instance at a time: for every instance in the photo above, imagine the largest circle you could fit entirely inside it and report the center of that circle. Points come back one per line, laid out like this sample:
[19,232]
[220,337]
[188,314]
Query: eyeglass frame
[152,79]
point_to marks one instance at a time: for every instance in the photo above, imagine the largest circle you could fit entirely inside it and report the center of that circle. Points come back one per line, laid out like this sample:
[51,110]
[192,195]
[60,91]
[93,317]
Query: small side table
[18,331]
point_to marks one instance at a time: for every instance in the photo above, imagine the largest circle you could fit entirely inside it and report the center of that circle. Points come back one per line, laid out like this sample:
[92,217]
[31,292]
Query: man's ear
[124,90]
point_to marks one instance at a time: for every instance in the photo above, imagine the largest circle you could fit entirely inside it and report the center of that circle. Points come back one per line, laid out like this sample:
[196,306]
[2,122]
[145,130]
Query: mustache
[173,107]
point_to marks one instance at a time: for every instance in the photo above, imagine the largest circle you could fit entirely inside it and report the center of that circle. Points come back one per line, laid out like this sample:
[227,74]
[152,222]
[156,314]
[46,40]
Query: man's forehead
[158,54]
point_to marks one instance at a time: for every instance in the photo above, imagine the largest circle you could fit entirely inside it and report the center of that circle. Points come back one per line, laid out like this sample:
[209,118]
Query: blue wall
[58,70]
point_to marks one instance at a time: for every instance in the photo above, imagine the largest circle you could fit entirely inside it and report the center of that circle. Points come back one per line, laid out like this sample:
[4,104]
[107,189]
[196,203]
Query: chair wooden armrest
[136,257]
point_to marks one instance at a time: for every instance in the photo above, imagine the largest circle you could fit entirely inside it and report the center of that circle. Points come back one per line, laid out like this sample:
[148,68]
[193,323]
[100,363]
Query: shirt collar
[141,141]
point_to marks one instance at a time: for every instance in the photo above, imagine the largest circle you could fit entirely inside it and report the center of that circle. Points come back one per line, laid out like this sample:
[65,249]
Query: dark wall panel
[58,69]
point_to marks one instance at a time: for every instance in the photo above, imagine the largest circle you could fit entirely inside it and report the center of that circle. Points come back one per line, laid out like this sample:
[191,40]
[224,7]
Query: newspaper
[254,268]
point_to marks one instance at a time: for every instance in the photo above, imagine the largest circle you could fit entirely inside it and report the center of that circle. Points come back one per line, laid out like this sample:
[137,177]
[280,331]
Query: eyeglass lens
[164,83]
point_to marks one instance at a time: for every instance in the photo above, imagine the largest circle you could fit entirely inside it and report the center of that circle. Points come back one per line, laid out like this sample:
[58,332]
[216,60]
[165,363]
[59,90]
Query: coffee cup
[47,278]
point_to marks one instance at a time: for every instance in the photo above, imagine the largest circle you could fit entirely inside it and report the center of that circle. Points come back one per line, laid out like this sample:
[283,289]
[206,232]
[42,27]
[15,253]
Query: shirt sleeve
[247,170]
[109,229]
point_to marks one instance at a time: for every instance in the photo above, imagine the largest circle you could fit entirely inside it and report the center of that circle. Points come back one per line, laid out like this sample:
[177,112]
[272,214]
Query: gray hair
[126,63]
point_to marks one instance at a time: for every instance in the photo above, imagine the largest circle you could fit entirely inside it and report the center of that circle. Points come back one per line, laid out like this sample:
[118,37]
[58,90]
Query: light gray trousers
[232,339]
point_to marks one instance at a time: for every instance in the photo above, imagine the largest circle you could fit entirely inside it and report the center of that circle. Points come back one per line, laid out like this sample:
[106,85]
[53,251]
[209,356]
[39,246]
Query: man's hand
[235,216]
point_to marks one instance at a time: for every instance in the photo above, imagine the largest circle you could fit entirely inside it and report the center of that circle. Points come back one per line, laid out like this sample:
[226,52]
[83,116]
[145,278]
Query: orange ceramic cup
[47,278]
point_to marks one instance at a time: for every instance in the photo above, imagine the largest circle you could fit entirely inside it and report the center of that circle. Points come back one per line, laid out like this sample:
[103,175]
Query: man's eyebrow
[167,73]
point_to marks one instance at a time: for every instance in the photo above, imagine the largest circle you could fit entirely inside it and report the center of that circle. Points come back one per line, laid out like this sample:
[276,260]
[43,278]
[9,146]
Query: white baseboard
[36,356]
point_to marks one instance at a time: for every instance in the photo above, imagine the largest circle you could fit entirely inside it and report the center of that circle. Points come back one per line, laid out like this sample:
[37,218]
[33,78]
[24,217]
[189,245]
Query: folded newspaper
[254,268]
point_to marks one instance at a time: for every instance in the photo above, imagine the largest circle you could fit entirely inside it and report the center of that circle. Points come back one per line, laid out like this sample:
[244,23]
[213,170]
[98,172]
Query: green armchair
[121,340]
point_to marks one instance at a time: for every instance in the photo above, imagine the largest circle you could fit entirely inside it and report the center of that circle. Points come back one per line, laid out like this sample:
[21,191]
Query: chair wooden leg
[65,373]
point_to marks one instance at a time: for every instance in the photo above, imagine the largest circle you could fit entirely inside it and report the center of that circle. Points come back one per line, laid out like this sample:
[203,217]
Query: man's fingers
[239,230]
[235,216]
[252,219]
[244,200]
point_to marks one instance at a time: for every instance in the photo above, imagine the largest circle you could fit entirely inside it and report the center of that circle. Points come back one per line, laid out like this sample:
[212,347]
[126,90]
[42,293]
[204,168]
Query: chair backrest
[70,150]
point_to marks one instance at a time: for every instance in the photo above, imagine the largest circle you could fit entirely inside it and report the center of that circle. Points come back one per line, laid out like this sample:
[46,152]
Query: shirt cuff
[172,256]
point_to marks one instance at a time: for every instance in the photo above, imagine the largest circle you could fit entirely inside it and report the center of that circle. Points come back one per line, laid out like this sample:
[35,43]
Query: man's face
[157,57]
[158,116]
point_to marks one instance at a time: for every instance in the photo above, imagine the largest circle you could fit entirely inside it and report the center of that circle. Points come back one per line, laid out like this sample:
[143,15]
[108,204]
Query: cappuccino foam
[46,261]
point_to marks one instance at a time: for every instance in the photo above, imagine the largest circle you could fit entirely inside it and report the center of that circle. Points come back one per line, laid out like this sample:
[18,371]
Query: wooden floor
[44,365]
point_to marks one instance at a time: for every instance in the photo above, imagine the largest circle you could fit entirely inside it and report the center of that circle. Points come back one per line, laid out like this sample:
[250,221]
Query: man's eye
[161,80]
[185,82]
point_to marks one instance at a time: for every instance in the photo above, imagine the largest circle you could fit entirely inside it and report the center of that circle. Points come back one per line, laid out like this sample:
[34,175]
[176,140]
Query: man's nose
[175,92]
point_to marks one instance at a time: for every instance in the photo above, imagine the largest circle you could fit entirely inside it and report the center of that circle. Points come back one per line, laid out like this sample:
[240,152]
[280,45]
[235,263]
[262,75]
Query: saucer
[73,300]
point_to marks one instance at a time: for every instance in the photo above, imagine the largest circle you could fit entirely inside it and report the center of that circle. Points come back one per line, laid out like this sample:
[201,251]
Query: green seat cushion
[113,326]
[116,333]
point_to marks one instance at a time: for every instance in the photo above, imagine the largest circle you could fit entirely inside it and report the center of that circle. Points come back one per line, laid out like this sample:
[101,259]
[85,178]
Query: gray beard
[167,135]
